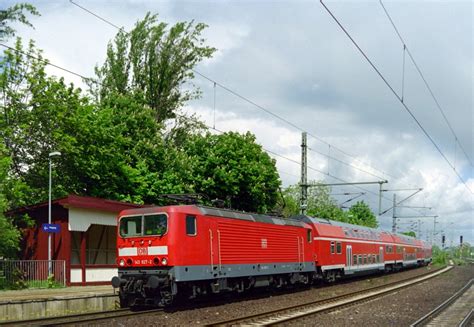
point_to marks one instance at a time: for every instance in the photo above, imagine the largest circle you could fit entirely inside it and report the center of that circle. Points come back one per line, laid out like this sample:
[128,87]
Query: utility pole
[304,175]
[434,231]
[394,219]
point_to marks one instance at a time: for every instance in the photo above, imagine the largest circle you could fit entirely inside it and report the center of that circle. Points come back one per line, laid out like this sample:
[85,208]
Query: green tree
[361,214]
[152,63]
[9,234]
[13,14]
[234,168]
[320,204]
[410,233]
[113,150]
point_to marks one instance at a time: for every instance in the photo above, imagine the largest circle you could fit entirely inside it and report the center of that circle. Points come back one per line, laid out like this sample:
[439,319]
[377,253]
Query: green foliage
[440,257]
[410,233]
[151,63]
[18,280]
[320,204]
[9,234]
[234,168]
[361,214]
[15,13]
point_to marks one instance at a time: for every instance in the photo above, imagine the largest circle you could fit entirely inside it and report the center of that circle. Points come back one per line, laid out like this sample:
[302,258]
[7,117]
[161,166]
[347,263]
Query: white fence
[18,274]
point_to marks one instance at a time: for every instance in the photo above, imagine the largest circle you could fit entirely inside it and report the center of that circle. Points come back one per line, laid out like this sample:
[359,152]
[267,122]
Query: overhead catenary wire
[246,99]
[344,163]
[405,47]
[407,109]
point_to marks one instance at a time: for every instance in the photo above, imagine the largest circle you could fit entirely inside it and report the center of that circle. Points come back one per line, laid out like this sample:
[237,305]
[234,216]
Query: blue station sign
[51,228]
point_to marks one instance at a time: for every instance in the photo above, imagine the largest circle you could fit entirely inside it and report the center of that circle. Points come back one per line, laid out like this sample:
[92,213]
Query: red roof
[76,201]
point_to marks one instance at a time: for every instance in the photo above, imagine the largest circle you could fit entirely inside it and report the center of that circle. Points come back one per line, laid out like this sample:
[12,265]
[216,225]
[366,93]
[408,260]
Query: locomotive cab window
[191,225]
[156,224]
[332,247]
[131,226]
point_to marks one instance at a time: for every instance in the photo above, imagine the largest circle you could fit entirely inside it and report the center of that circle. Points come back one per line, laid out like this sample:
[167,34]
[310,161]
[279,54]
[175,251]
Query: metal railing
[20,274]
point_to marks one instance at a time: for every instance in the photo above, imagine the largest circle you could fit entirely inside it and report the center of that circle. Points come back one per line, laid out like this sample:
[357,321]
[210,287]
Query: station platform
[36,303]
[54,293]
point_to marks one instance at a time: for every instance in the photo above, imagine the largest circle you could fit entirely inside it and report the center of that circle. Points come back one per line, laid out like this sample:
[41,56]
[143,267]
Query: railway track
[82,318]
[291,314]
[455,311]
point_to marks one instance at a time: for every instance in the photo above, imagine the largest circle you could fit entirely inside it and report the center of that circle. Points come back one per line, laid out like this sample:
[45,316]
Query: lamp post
[51,155]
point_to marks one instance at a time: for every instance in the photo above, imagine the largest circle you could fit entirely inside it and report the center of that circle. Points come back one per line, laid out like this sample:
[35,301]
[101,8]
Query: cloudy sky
[291,58]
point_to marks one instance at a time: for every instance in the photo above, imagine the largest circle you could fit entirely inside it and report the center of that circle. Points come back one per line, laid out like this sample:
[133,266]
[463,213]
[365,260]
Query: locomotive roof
[210,211]
[218,212]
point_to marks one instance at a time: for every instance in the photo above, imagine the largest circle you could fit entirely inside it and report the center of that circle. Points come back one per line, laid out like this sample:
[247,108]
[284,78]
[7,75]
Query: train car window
[191,225]
[156,224]
[131,226]
[338,247]
[360,259]
[354,259]
[332,247]
[309,235]
[365,259]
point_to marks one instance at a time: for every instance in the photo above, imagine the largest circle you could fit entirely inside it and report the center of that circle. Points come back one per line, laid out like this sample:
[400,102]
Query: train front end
[143,258]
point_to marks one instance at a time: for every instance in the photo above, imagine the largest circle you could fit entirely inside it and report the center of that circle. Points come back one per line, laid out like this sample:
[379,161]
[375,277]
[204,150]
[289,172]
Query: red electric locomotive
[193,250]
[166,252]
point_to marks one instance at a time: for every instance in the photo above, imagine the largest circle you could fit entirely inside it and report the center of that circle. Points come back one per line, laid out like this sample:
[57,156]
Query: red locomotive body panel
[217,241]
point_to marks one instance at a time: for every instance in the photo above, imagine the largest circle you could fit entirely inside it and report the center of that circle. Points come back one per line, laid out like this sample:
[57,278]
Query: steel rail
[299,311]
[443,306]
[468,319]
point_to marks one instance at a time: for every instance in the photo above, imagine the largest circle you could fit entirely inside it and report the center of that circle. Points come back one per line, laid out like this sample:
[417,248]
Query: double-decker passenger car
[166,252]
[345,249]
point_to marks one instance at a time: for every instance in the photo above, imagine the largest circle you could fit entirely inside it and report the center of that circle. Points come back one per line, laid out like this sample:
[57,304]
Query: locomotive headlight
[121,263]
[164,261]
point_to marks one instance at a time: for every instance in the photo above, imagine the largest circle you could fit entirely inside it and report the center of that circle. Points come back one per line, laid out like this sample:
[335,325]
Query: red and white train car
[344,249]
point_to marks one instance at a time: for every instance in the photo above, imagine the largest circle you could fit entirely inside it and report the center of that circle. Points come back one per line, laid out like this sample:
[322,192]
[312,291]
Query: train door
[381,254]
[348,256]
[214,248]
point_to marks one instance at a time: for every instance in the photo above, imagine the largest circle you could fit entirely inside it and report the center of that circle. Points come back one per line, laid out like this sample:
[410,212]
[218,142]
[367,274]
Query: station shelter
[86,239]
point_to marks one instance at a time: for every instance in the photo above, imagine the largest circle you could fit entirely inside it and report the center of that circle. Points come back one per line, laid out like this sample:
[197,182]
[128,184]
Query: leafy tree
[234,168]
[410,233]
[361,214]
[152,63]
[9,234]
[13,14]
[320,204]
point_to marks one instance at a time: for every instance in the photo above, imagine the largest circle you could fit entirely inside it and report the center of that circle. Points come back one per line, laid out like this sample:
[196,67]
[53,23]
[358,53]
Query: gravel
[401,308]
[232,306]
